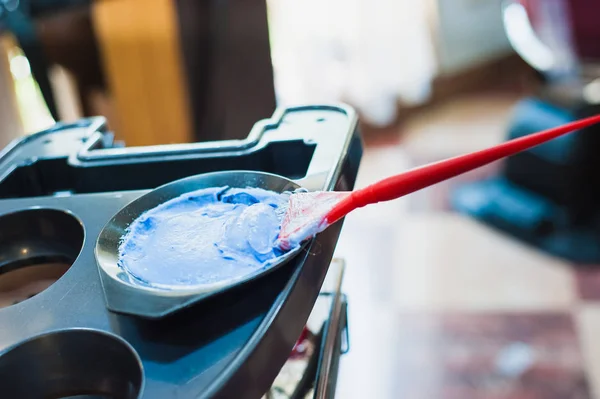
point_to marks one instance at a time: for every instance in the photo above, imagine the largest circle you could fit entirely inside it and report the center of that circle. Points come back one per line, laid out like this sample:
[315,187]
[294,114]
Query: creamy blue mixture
[203,237]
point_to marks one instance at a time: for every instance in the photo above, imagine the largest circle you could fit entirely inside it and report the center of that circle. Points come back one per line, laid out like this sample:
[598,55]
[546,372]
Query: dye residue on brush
[207,236]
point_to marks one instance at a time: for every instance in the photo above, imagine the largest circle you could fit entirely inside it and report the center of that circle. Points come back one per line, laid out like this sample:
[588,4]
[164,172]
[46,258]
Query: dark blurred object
[227,60]
[580,17]
[17,20]
[547,196]
[550,196]
[57,32]
[586,30]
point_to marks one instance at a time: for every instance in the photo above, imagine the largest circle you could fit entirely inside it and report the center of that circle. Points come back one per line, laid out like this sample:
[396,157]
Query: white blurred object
[19,67]
[371,53]
[11,126]
[515,359]
[64,88]
[548,47]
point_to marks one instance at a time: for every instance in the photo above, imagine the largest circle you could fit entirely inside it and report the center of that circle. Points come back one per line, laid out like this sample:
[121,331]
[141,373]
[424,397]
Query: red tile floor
[444,307]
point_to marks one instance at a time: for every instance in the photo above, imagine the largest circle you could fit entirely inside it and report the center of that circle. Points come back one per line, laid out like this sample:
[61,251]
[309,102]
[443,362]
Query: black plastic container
[61,186]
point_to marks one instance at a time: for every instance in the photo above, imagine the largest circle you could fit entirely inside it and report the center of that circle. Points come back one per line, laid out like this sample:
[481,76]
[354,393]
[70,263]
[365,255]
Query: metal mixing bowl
[126,294]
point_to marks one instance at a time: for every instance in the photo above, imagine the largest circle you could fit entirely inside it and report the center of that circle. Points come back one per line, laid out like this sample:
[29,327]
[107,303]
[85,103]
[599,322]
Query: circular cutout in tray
[71,362]
[37,246]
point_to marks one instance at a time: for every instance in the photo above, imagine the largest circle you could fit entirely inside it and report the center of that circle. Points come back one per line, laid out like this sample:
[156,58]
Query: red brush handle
[408,182]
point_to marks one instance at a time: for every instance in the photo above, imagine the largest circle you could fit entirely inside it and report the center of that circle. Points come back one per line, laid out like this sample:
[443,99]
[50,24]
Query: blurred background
[167,71]
[485,286]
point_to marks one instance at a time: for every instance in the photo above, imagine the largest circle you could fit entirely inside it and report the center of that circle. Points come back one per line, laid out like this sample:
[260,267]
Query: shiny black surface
[35,236]
[231,345]
[72,361]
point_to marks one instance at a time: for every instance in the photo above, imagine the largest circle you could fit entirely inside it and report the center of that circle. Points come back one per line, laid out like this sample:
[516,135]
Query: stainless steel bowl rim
[112,269]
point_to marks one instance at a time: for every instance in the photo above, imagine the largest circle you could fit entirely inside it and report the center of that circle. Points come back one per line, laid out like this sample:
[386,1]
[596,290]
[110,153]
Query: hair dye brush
[309,213]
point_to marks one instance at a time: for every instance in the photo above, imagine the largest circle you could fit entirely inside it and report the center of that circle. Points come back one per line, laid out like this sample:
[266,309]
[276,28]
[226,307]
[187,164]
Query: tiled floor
[444,307]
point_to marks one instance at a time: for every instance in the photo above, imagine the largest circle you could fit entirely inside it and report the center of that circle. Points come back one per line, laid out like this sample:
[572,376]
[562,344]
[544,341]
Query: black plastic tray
[230,346]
